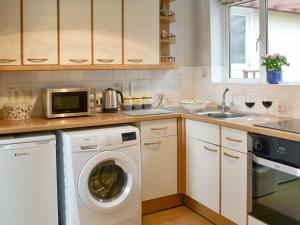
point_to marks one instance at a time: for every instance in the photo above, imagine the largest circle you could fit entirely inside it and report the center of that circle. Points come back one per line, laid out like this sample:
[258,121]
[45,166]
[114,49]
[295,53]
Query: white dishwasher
[28,187]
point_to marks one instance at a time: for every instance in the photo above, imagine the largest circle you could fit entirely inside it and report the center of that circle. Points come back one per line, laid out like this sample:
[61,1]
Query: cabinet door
[75,32]
[141,31]
[203,173]
[40,32]
[107,32]
[10,37]
[234,186]
[159,167]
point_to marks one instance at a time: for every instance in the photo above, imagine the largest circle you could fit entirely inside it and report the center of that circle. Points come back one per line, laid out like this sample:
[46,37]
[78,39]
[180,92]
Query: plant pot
[274,77]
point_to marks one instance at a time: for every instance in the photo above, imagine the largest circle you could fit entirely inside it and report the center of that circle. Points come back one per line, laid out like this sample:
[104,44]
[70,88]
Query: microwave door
[70,103]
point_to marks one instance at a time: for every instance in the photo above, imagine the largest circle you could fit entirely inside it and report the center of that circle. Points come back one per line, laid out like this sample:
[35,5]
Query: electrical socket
[282,108]
[118,85]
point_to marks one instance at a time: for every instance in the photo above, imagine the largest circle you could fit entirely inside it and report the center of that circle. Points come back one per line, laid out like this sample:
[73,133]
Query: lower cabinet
[159,167]
[234,186]
[216,176]
[203,173]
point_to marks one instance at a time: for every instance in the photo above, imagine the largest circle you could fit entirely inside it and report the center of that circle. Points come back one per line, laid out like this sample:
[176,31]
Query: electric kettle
[110,100]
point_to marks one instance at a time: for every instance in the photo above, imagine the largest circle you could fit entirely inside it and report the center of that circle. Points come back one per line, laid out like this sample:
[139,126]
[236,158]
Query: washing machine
[99,176]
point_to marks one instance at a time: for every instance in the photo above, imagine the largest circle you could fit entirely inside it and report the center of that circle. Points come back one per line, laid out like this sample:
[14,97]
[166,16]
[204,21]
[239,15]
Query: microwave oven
[69,102]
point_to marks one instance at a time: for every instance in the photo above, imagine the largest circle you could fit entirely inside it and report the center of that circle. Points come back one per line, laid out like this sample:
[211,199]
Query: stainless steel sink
[222,115]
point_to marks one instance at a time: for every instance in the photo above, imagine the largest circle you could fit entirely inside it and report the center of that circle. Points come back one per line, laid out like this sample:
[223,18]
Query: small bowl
[193,105]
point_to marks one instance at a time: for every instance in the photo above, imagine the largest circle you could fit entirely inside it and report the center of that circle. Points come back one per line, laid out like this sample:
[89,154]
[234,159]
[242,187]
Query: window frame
[263,45]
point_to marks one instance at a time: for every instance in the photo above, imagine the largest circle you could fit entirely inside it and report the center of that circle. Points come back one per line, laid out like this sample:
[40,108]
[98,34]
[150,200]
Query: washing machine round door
[108,181]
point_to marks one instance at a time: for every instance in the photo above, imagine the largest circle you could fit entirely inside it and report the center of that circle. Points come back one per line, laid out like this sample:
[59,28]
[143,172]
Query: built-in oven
[275,180]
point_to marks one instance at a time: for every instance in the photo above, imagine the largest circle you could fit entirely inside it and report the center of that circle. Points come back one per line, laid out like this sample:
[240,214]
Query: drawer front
[234,139]
[203,131]
[159,167]
[159,128]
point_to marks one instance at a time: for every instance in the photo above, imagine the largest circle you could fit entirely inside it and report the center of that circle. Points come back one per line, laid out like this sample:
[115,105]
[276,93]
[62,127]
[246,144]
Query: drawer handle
[210,149]
[159,128]
[231,156]
[153,143]
[105,60]
[78,60]
[233,140]
[36,60]
[135,60]
[7,60]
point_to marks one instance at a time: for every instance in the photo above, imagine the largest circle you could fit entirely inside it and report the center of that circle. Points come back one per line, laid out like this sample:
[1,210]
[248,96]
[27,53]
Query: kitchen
[173,55]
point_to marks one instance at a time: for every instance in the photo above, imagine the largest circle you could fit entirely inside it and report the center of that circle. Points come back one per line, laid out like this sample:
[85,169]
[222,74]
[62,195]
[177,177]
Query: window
[258,27]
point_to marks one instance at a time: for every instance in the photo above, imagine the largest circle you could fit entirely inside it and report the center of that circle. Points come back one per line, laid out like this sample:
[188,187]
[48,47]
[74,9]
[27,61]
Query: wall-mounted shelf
[87,67]
[167,19]
[167,38]
[168,41]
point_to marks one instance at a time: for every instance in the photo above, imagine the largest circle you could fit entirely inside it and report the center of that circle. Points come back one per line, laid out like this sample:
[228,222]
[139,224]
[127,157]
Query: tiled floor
[176,216]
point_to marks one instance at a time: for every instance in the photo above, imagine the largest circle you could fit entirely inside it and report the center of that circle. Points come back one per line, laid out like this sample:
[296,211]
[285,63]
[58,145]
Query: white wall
[185,30]
[284,36]
[176,84]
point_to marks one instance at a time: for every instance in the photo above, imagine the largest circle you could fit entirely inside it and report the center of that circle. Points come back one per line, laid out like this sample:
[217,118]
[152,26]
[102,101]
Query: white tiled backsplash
[185,82]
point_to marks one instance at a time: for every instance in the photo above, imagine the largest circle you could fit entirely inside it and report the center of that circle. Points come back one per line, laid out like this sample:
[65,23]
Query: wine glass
[250,102]
[267,103]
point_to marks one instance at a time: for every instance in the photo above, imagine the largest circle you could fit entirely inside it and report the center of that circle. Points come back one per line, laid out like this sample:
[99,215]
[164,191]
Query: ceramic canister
[137,103]
[128,103]
[147,102]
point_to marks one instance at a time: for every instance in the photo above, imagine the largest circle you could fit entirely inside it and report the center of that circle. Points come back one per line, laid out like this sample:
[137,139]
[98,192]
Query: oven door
[69,103]
[275,192]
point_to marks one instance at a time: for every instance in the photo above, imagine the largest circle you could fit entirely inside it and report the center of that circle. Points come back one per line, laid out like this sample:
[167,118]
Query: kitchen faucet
[223,106]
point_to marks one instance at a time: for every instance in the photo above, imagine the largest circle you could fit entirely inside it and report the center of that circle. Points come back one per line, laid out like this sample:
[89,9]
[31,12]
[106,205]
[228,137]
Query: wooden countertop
[102,119]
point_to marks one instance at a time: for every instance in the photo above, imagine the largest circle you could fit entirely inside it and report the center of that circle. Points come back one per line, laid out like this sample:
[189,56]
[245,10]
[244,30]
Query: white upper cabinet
[40,36]
[107,28]
[141,32]
[75,32]
[10,37]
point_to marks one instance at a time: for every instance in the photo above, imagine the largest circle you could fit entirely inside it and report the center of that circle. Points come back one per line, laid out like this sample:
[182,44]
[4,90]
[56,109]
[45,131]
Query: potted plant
[274,64]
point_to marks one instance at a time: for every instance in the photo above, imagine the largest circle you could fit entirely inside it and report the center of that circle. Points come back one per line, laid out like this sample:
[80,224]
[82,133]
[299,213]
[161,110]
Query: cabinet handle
[210,149]
[36,60]
[233,140]
[135,60]
[231,156]
[153,143]
[105,60]
[78,60]
[7,60]
[159,128]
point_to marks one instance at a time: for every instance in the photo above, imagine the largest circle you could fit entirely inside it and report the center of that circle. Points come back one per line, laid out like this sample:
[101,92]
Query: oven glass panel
[69,102]
[276,196]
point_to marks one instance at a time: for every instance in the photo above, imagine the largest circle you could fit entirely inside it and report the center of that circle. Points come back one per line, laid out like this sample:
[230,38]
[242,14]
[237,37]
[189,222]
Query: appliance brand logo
[23,154]
[281,150]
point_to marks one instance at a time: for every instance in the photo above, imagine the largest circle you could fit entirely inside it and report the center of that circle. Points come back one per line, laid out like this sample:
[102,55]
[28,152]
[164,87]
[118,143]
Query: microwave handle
[276,166]
[120,93]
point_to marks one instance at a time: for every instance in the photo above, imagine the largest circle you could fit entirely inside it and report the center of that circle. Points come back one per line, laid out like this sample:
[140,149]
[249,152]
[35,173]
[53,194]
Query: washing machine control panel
[129,136]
